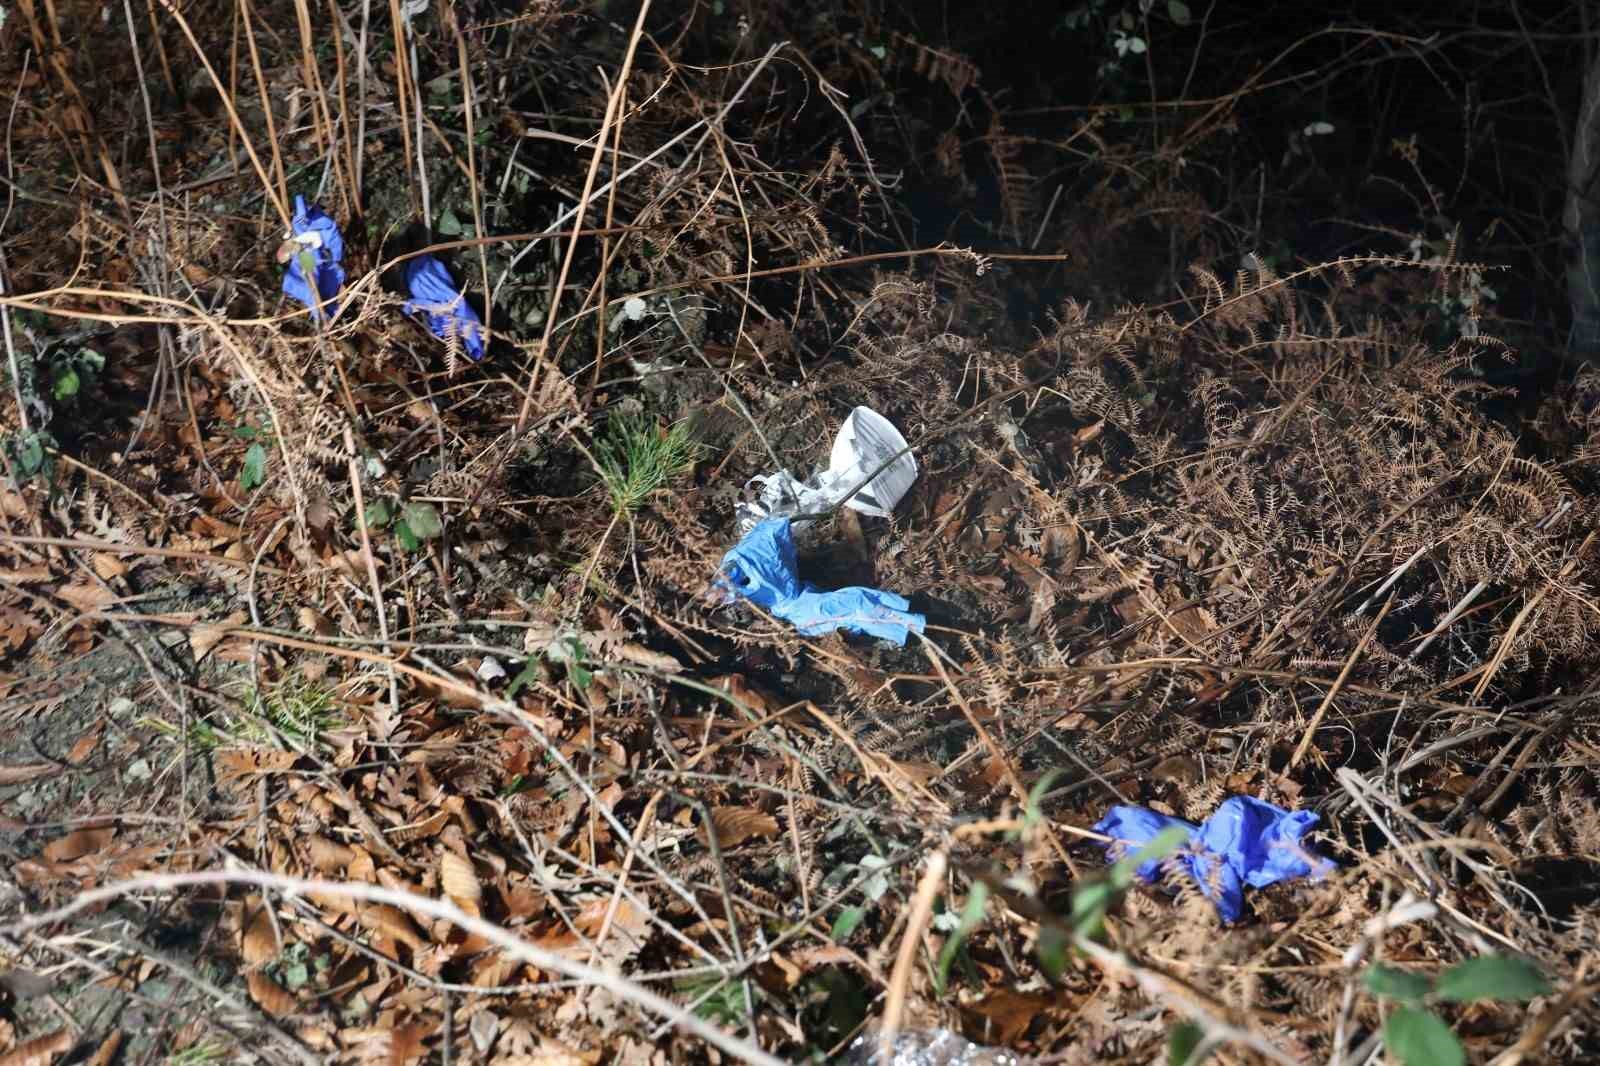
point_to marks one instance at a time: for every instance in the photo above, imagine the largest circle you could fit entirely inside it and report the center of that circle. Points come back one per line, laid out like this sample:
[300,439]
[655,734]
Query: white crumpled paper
[865,443]
[933,1047]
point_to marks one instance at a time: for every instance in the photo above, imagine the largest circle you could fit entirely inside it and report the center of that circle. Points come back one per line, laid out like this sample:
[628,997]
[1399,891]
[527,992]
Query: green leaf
[379,514]
[449,224]
[246,432]
[254,472]
[407,540]
[30,455]
[527,676]
[846,923]
[1158,847]
[1182,1042]
[295,975]
[1089,904]
[66,383]
[1392,983]
[1492,977]
[971,917]
[423,520]
[1178,12]
[1418,1038]
[1051,947]
[1032,815]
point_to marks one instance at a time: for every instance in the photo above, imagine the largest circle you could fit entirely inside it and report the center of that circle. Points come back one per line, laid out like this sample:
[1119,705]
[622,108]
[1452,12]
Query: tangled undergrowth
[434,739]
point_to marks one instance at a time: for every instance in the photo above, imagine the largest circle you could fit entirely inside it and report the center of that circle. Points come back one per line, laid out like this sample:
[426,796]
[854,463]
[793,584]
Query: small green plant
[299,709]
[73,371]
[198,1055]
[203,736]
[412,522]
[253,473]
[32,453]
[295,966]
[636,459]
[1415,1035]
[716,999]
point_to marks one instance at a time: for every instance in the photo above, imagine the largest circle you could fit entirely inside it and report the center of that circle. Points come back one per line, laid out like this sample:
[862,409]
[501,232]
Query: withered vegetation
[365,704]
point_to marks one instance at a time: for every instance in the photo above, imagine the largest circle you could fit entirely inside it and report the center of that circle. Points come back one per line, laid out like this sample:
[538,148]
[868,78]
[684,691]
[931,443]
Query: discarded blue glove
[764,570]
[1245,842]
[313,231]
[449,314]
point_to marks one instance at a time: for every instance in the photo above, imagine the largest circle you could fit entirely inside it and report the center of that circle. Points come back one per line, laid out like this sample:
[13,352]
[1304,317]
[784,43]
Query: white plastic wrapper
[865,443]
[931,1047]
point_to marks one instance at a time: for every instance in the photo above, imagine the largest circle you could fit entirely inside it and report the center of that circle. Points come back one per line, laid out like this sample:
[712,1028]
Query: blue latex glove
[326,245]
[449,314]
[1244,842]
[764,570]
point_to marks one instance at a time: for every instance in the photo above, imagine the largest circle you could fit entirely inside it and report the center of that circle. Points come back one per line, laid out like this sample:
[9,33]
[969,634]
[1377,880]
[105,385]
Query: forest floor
[365,701]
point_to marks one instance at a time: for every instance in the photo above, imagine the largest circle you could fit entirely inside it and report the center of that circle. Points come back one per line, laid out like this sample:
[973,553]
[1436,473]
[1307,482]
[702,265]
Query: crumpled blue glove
[319,234]
[449,314]
[763,568]
[1245,842]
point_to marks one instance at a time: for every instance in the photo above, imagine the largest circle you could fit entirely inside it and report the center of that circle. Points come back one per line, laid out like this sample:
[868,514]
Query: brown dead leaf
[1013,1012]
[205,637]
[735,825]
[31,771]
[407,1044]
[78,843]
[258,939]
[107,565]
[626,936]
[314,621]
[328,856]
[242,762]
[391,922]
[106,1052]
[643,656]
[40,1051]
[84,747]
[269,995]
[737,687]
[460,882]
[86,596]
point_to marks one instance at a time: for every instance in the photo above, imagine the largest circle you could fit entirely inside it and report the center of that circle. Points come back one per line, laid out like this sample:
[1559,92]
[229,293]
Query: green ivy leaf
[30,455]
[1492,977]
[527,676]
[1392,983]
[254,472]
[1089,905]
[1178,12]
[379,514]
[295,975]
[423,520]
[1182,1042]
[1418,1038]
[846,923]
[407,540]
[66,383]
[971,917]
[449,224]
[1051,947]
